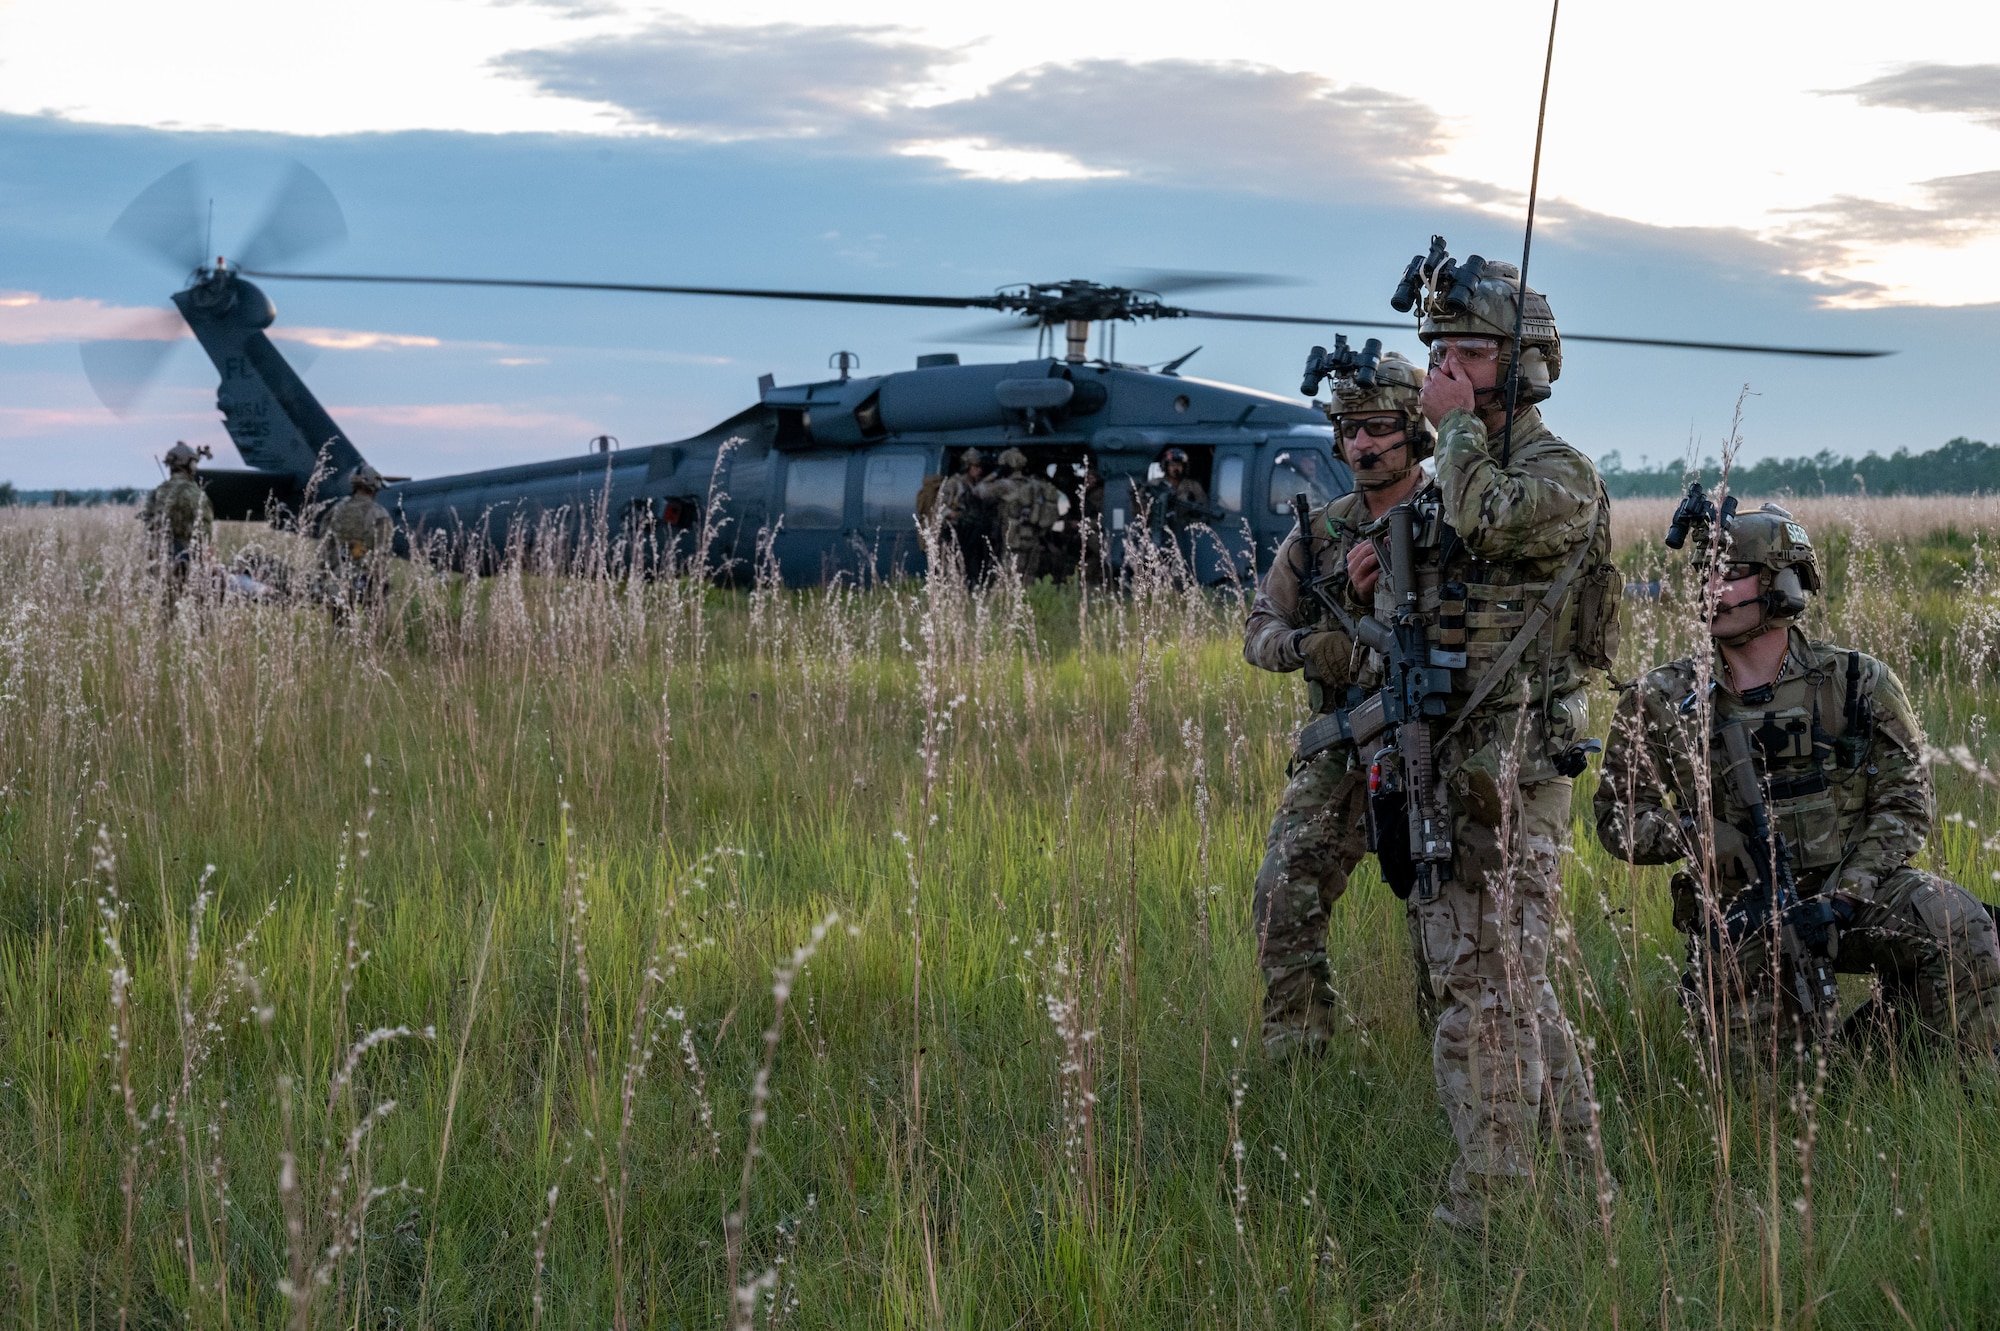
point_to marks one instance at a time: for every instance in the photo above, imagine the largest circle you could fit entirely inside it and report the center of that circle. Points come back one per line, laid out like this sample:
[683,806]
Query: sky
[1738,172]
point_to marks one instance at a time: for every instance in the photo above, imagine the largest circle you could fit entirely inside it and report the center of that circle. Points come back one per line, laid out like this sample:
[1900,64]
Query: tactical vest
[1815,757]
[1473,609]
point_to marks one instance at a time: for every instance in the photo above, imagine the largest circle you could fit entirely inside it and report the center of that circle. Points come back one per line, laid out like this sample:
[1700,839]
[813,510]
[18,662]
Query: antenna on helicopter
[844,361]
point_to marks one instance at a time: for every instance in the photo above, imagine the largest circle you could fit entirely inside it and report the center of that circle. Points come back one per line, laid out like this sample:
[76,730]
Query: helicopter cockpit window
[1229,484]
[889,489]
[815,493]
[1300,470]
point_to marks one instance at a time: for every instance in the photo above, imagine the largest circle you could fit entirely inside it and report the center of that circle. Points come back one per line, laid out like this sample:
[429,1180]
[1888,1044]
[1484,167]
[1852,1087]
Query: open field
[476,967]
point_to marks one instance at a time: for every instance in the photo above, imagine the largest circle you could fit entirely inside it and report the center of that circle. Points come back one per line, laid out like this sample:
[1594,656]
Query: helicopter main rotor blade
[1166,281]
[996,332]
[759,293]
[1290,319]
[303,217]
[1838,353]
[167,220]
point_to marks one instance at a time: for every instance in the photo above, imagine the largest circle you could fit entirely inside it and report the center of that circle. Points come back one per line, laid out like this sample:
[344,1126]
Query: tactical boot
[1300,1013]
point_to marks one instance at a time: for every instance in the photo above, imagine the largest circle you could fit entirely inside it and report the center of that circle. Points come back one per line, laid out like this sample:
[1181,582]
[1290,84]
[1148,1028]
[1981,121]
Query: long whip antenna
[1528,242]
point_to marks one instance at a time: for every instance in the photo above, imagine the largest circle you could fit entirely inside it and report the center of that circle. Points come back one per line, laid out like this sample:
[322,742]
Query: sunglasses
[1378,427]
[1469,350]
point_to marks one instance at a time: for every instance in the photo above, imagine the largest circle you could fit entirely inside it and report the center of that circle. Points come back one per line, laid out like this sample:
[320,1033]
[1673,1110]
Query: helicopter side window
[1300,470]
[815,493]
[889,489]
[1229,484]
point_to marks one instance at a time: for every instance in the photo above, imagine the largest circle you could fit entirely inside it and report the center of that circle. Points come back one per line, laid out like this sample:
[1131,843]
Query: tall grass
[601,950]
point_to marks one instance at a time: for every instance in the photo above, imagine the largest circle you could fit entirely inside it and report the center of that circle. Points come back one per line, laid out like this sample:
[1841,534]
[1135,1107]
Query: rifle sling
[1538,618]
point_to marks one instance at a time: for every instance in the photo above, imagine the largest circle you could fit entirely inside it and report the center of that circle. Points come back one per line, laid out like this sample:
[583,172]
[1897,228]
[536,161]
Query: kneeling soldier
[1813,760]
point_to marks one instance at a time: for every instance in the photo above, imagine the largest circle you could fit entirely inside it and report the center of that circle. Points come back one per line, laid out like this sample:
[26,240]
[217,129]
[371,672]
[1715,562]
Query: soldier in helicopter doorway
[1811,759]
[1029,507]
[967,509]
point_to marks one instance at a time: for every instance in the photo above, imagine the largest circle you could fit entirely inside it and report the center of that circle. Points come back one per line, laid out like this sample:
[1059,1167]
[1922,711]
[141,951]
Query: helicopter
[831,470]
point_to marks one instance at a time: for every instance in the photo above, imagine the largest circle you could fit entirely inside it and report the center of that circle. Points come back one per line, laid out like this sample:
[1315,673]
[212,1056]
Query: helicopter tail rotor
[121,369]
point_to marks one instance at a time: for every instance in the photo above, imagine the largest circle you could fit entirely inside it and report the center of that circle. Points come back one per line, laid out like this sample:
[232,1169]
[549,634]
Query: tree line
[1963,466]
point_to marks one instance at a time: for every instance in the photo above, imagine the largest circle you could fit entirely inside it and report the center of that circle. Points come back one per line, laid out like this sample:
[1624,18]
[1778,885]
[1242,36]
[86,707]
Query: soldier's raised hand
[1447,388]
[1363,569]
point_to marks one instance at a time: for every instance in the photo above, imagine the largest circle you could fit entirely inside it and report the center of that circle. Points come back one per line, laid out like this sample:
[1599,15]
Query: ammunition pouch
[1389,838]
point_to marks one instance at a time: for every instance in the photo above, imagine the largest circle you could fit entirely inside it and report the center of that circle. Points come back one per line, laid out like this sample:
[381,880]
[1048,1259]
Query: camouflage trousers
[1508,1072]
[1930,943]
[1316,839]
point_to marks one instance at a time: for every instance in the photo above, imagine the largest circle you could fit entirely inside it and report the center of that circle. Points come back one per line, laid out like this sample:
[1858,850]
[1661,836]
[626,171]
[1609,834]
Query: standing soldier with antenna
[179,519]
[1512,601]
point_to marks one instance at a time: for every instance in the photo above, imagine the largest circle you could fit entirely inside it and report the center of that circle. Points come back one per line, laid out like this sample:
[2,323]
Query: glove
[1326,653]
[1733,859]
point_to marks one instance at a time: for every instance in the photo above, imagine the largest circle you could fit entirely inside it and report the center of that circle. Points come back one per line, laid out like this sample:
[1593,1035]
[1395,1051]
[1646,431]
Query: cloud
[350,339]
[780,80]
[1968,90]
[1246,124]
[27,318]
[1956,211]
[868,89]
[464,416]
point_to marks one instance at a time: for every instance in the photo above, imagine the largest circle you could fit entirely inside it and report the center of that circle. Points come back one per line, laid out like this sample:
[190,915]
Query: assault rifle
[1808,931]
[1409,829]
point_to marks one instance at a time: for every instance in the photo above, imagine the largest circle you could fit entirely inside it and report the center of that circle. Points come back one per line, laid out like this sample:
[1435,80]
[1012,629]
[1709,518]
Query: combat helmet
[971,458]
[366,478]
[1396,387]
[1014,460]
[1479,298]
[1771,538]
[181,457]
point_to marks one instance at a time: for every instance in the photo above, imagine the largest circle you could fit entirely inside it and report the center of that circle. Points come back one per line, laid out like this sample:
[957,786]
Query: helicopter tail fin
[274,420]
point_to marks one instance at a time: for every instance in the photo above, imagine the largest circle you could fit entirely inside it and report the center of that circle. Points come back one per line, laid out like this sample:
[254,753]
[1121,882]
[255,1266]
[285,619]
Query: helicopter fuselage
[828,473]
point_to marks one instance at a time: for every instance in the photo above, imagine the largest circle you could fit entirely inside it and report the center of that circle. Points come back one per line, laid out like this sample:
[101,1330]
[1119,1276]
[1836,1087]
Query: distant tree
[9,496]
[1963,466]
[123,494]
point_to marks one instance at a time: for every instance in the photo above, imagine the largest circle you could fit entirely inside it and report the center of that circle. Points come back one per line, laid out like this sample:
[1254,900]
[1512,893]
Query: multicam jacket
[1027,505]
[178,510]
[1848,792]
[1490,543]
[357,528]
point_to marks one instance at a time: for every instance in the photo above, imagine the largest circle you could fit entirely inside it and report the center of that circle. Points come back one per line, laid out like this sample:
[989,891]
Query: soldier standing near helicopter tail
[1839,776]
[179,519]
[1512,601]
[354,554]
[1318,834]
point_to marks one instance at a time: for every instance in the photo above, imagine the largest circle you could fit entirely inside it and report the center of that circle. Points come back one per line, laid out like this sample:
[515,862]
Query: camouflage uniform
[968,512]
[356,548]
[1319,833]
[1505,1056]
[178,513]
[1028,507]
[1852,799]
[178,518]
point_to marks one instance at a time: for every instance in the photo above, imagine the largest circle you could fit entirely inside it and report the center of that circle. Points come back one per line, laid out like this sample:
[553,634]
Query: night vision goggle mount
[1698,513]
[1343,362]
[1451,284]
